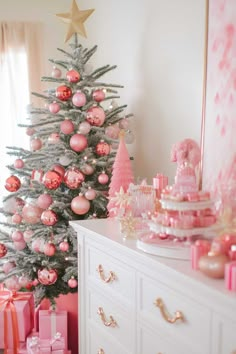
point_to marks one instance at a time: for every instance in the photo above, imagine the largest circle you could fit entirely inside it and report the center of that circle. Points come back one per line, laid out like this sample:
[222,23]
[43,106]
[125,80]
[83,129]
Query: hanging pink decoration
[102,148]
[23,281]
[12,184]
[49,249]
[80,205]
[78,142]
[31,213]
[63,93]
[54,107]
[8,266]
[87,169]
[3,250]
[16,218]
[36,144]
[12,283]
[84,127]
[64,246]
[98,95]
[73,178]
[49,217]
[19,163]
[36,245]
[103,178]
[17,235]
[27,234]
[72,282]
[47,276]
[112,131]
[96,116]
[52,179]
[79,99]
[73,76]
[54,138]
[44,201]
[19,245]
[59,169]
[30,131]
[90,194]
[124,123]
[56,72]
[67,126]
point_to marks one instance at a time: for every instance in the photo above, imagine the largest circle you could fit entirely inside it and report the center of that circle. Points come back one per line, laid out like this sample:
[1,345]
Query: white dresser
[134,303]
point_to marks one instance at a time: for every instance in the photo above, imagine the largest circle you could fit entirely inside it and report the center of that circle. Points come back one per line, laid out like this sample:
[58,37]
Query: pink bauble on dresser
[67,126]
[80,205]
[78,142]
[54,107]
[96,116]
[79,99]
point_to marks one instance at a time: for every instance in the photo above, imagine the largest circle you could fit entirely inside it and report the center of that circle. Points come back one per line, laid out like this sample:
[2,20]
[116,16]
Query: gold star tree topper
[75,18]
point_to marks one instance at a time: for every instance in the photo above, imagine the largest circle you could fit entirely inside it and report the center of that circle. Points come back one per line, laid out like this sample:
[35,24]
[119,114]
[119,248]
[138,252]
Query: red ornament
[35,282]
[54,107]
[47,276]
[96,116]
[79,99]
[3,250]
[72,76]
[36,144]
[98,95]
[78,142]
[49,249]
[12,184]
[72,282]
[64,246]
[19,163]
[56,72]
[80,205]
[73,178]
[49,217]
[67,126]
[52,179]
[44,201]
[103,148]
[63,93]
[31,213]
[59,169]
[103,178]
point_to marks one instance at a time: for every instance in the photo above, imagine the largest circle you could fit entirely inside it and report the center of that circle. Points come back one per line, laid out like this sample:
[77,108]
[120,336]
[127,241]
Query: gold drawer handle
[101,351]
[112,322]
[109,279]
[178,314]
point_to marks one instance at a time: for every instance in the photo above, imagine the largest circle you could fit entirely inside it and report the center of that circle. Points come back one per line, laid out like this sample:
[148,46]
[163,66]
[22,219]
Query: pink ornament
[72,282]
[87,169]
[49,217]
[59,169]
[72,76]
[103,178]
[96,116]
[23,281]
[53,138]
[17,235]
[56,72]
[98,95]
[44,201]
[19,245]
[28,235]
[102,148]
[64,160]
[73,178]
[47,276]
[64,246]
[49,249]
[124,123]
[30,131]
[78,142]
[80,205]
[52,179]
[3,250]
[36,245]
[84,127]
[8,266]
[90,194]
[36,144]
[79,99]
[67,126]
[12,184]
[16,218]
[35,282]
[54,107]
[31,213]
[12,283]
[19,163]
[112,131]
[63,93]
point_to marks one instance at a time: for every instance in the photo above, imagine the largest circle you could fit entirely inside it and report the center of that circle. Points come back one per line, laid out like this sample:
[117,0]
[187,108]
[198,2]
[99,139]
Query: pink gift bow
[57,337]
[33,344]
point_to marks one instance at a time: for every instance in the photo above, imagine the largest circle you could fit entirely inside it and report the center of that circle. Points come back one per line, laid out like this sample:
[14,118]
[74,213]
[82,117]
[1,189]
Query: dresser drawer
[121,326]
[224,335]
[195,329]
[113,276]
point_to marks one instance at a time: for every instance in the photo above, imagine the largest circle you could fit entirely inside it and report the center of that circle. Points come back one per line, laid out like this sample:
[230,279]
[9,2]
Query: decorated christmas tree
[64,175]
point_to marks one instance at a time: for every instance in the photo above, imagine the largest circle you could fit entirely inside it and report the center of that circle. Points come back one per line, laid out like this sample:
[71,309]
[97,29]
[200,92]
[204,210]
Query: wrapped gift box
[22,306]
[199,249]
[230,276]
[36,318]
[52,322]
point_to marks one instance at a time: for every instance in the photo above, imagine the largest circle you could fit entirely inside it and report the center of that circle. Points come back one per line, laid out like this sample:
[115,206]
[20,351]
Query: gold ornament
[128,223]
[75,18]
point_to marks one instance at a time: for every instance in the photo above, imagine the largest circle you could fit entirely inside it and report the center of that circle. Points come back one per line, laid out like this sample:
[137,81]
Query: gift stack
[25,329]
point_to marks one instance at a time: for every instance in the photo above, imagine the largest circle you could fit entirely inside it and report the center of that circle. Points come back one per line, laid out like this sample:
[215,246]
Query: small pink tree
[122,174]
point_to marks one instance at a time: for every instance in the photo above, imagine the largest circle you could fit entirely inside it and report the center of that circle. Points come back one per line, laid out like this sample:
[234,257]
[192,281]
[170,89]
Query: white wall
[158,48]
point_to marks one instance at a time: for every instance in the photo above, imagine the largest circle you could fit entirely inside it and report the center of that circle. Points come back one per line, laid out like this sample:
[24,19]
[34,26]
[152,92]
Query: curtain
[20,74]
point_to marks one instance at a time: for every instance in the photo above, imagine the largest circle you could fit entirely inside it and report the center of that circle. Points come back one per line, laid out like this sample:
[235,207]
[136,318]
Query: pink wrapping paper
[58,342]
[159,183]
[198,249]
[230,276]
[52,322]
[36,319]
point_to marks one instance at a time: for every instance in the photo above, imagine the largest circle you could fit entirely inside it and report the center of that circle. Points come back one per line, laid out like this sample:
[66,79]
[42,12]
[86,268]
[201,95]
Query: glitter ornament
[23,281]
[12,184]
[103,178]
[19,245]
[98,95]
[12,283]
[49,217]
[90,194]
[78,142]
[72,282]
[56,72]
[87,169]
[36,144]
[3,250]
[28,235]
[102,148]
[96,116]
[16,218]
[64,246]
[52,179]
[80,205]
[44,201]
[49,249]
[31,213]
[79,99]
[17,236]
[73,76]
[19,163]
[54,107]
[112,131]
[30,131]
[84,127]
[73,178]
[8,266]
[67,126]
[47,276]
[53,138]
[63,93]
[59,169]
